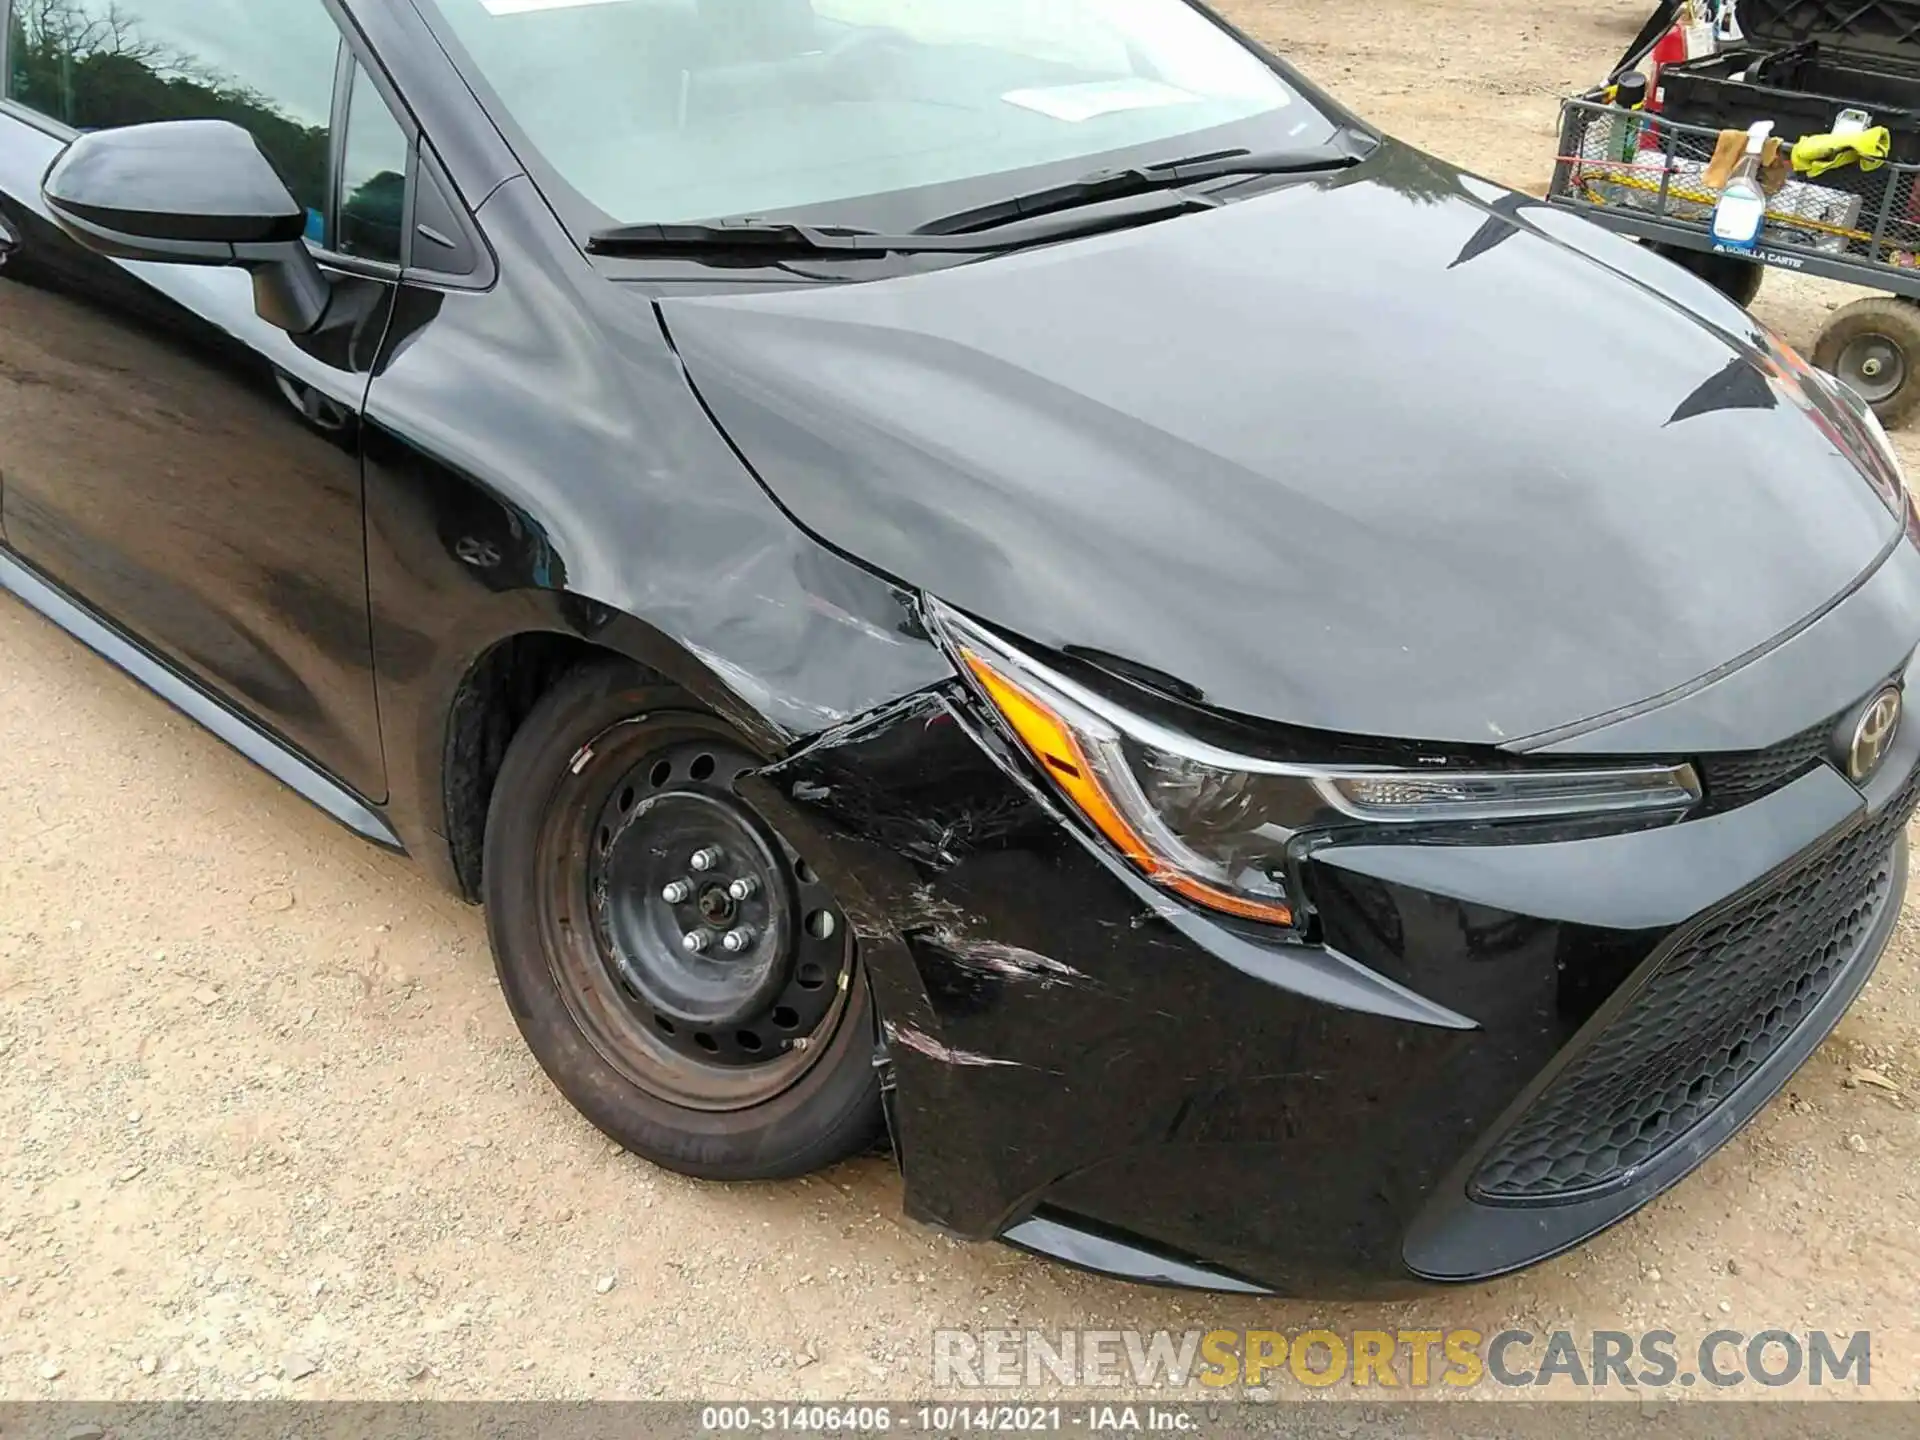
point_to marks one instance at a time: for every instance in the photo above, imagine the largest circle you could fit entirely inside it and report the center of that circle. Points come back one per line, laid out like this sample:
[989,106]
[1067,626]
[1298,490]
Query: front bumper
[1499,1049]
[1683,1066]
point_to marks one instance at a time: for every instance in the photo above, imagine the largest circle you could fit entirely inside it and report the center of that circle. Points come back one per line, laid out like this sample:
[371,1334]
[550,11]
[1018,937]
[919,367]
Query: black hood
[1399,454]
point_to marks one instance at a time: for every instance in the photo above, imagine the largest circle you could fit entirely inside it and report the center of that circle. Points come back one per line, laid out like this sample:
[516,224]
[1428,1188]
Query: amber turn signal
[1053,743]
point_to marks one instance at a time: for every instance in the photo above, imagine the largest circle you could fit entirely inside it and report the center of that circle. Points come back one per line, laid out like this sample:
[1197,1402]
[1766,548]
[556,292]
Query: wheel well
[493,701]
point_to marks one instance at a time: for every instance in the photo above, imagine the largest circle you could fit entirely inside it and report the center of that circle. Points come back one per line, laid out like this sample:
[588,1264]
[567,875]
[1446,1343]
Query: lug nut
[677,891]
[737,939]
[694,941]
[743,888]
[705,858]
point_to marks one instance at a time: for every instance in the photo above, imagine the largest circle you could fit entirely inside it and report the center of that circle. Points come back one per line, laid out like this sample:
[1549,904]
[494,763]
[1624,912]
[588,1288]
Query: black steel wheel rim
[729,1022]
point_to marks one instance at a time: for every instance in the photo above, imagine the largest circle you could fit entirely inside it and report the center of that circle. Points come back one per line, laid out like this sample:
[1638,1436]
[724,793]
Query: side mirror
[191,192]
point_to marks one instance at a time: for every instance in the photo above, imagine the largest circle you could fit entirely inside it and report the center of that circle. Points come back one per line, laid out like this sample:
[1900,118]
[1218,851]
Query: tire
[727,1067]
[1737,279]
[1882,335]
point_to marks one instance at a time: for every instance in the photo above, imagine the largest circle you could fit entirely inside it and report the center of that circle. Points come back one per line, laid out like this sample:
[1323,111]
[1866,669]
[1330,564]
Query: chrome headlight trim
[1216,825]
[1346,788]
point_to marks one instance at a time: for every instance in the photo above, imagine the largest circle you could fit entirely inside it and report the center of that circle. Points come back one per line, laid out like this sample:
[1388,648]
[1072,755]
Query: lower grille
[1720,1004]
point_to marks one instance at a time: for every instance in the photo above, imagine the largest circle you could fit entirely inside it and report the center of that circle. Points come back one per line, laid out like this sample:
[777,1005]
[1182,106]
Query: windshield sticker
[522,7]
[1075,103]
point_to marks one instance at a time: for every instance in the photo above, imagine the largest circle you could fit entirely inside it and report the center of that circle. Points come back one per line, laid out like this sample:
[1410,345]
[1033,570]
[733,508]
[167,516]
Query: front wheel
[1874,345]
[679,970]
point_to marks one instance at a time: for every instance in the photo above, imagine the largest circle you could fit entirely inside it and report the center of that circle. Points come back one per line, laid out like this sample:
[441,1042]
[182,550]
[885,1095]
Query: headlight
[1215,827]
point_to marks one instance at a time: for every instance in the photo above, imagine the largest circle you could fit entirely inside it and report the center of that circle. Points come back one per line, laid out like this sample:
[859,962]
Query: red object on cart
[1671,50]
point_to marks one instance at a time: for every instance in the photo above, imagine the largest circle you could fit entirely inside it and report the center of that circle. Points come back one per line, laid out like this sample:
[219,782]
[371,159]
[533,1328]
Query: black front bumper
[1672,1067]
[1498,1050]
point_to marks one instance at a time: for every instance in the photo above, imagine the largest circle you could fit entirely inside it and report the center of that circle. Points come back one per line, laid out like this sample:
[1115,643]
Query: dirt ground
[268,1129]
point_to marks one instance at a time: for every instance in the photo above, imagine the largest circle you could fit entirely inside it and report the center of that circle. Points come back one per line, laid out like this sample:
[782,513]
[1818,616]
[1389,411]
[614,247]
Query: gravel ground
[269,1129]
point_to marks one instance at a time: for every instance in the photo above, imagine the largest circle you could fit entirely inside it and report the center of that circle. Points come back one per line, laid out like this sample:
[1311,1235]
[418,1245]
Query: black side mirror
[191,192]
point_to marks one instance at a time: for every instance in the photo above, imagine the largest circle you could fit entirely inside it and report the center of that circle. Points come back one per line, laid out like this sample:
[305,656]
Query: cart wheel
[1874,345]
[1737,279]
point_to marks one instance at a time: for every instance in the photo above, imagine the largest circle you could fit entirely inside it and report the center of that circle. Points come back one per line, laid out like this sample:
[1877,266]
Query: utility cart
[1803,65]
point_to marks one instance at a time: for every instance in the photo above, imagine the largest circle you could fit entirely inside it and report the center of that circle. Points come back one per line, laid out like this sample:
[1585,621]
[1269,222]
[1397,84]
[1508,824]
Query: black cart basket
[1646,175]
[1802,63]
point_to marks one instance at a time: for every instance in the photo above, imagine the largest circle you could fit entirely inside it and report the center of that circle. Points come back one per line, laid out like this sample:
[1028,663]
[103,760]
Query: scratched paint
[909,1038]
[1008,962]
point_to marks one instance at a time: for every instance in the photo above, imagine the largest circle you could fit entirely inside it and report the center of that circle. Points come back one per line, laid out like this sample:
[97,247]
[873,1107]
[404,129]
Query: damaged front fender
[1045,1010]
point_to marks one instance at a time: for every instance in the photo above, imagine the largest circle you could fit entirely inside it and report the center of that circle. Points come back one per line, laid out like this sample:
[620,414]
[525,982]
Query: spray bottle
[1742,208]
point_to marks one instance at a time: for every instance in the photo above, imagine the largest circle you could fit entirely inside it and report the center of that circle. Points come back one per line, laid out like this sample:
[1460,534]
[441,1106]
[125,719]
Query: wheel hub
[707,960]
[716,906]
[1874,366]
[724,944]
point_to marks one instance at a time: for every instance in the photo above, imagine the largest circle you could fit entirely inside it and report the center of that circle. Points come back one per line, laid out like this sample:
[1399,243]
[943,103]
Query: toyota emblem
[1873,734]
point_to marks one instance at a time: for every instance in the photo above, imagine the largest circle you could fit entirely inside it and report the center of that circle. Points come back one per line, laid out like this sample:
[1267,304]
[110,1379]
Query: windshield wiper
[1156,190]
[774,237]
[1347,148]
[777,240]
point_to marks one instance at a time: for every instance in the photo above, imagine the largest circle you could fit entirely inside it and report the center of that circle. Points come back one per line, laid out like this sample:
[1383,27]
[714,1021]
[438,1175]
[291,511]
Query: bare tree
[77,30]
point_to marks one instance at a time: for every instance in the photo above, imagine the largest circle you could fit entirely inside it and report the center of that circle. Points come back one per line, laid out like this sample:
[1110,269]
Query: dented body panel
[1066,1043]
[1303,474]
[673,555]
[1334,523]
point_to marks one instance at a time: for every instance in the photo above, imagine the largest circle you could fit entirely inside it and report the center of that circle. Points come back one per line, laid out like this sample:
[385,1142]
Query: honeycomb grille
[1720,1004]
[1737,777]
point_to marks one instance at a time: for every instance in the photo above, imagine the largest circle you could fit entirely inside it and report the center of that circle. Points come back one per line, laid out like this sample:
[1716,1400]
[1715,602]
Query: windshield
[673,110]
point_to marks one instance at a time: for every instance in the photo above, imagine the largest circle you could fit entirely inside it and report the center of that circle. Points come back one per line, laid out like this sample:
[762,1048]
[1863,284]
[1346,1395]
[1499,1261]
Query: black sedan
[1287,718]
